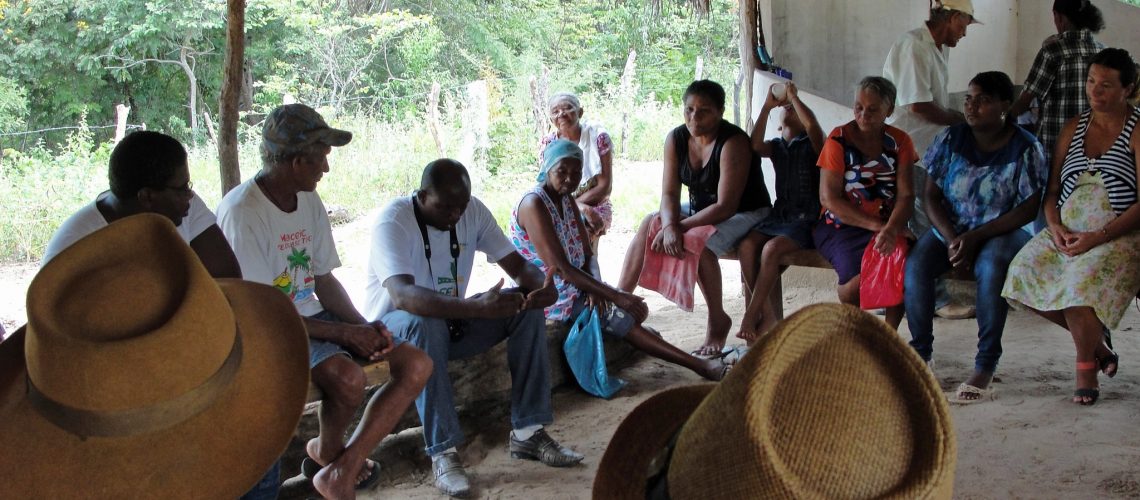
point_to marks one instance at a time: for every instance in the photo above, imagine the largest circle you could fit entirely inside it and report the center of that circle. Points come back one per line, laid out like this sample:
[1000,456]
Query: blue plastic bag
[586,357]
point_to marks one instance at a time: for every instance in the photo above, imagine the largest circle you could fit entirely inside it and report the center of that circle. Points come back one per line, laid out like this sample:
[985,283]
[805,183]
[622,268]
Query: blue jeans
[266,487]
[929,259]
[526,355]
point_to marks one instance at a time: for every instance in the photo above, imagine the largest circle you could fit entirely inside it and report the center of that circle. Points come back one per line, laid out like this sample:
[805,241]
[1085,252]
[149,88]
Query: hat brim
[334,137]
[624,468]
[219,453]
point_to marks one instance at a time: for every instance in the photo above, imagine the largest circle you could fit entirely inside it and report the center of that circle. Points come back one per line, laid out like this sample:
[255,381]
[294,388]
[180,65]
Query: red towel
[674,278]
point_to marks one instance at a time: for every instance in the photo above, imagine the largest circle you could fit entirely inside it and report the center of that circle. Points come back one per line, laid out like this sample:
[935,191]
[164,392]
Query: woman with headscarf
[546,229]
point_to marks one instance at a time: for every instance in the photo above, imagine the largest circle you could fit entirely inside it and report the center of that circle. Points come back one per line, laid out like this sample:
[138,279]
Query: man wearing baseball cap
[282,237]
[918,66]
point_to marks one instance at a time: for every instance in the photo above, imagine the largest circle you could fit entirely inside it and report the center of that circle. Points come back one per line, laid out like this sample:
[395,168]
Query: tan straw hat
[831,404]
[140,376]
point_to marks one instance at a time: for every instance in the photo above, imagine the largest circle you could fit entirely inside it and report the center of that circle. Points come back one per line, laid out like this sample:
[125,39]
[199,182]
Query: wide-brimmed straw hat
[831,404]
[140,376]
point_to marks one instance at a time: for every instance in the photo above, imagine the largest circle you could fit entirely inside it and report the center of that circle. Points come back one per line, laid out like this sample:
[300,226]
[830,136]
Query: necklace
[263,185]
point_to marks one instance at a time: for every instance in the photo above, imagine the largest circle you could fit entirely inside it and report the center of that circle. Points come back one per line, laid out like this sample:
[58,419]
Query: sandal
[1086,396]
[310,468]
[1112,359]
[980,393]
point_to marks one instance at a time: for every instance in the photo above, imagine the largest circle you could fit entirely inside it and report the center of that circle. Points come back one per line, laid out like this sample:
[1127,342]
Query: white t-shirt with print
[397,248]
[88,220]
[284,250]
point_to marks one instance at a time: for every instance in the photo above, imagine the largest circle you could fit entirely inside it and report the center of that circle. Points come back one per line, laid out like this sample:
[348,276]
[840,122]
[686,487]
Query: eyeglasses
[186,189]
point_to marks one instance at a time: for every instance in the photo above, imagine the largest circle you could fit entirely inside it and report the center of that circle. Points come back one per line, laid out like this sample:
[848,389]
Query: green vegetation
[368,65]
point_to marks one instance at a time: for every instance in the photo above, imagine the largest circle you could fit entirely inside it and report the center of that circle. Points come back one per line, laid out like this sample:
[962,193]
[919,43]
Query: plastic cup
[779,91]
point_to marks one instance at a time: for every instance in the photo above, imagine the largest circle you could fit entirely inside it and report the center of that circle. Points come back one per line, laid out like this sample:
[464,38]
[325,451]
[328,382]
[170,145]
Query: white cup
[779,91]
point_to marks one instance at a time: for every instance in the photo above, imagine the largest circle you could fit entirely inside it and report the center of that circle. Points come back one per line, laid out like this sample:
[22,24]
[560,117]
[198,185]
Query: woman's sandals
[1086,396]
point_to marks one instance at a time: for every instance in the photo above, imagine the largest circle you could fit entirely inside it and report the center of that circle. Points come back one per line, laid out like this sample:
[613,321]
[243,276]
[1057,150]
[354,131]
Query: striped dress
[1094,191]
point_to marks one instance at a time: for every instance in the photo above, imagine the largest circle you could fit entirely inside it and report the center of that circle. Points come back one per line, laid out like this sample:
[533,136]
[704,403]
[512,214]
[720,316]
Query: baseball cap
[290,127]
[963,6]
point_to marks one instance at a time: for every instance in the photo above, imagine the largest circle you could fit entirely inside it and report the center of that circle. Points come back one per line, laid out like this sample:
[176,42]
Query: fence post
[626,93]
[121,113]
[433,118]
[473,151]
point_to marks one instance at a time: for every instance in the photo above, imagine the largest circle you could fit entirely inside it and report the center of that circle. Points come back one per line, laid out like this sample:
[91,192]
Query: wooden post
[749,59]
[433,118]
[230,169]
[700,68]
[626,94]
[122,111]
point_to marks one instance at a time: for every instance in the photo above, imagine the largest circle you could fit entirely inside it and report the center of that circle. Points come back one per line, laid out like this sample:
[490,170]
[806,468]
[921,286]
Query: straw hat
[140,376]
[831,404]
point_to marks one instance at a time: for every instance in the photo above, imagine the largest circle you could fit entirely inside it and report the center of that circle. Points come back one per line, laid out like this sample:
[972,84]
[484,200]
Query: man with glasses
[149,173]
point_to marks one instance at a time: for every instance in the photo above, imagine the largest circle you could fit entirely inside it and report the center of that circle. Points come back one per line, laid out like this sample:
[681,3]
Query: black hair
[144,159]
[1120,60]
[707,89]
[1081,13]
[444,174]
[994,83]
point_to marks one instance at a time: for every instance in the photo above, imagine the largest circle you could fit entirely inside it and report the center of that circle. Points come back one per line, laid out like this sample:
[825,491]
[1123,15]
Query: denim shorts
[797,231]
[730,231]
[320,350]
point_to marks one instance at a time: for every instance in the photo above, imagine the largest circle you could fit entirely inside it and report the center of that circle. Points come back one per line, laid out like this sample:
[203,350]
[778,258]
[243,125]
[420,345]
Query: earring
[1003,116]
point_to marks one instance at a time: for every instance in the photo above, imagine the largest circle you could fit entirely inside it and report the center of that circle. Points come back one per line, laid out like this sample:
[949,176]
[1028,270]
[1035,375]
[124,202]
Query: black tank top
[703,184]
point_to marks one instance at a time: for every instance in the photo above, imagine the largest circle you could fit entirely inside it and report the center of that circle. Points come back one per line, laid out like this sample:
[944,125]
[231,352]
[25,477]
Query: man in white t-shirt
[281,234]
[918,66]
[148,172]
[423,249]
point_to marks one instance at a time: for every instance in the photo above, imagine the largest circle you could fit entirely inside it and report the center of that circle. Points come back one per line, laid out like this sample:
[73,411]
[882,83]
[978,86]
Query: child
[789,226]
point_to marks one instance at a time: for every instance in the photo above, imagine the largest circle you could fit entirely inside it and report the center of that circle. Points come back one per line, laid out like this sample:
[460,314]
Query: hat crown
[963,6]
[123,322]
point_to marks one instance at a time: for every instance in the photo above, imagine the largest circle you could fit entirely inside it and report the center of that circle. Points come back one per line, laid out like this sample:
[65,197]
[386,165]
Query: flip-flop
[1111,359]
[731,355]
[310,468]
[964,388]
[696,353]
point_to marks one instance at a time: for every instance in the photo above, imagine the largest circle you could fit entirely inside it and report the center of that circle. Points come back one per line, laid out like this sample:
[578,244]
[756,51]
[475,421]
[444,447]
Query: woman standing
[985,182]
[865,188]
[1084,268]
[593,195]
[1057,77]
[546,231]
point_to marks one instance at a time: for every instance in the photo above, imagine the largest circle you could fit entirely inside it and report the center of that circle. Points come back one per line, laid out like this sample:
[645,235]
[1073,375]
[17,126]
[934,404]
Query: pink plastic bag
[881,276]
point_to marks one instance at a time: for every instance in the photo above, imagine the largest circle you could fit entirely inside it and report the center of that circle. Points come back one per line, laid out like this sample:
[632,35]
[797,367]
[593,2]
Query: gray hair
[879,85]
[569,97]
[270,159]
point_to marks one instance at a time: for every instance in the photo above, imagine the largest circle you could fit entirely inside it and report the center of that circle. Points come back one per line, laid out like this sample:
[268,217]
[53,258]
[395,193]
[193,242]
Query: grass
[43,187]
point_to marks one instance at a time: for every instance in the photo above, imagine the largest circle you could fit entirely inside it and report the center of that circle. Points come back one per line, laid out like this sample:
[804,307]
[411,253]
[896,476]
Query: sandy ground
[1030,442]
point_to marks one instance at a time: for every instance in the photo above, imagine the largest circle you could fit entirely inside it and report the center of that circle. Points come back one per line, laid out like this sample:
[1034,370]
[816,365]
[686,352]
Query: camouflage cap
[291,127]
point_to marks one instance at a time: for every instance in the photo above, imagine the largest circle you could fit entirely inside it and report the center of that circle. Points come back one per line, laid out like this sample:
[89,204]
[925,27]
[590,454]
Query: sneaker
[450,478]
[955,311]
[543,448]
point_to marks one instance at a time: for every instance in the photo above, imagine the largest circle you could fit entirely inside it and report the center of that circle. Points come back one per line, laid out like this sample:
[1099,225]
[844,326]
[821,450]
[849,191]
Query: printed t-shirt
[871,184]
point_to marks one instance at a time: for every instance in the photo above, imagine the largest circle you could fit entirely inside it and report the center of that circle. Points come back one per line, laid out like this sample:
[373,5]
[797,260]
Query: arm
[963,248]
[670,239]
[759,145]
[360,337]
[408,296]
[807,117]
[832,199]
[904,208]
[735,162]
[604,186]
[215,253]
[936,210]
[540,291]
[933,113]
[1058,230]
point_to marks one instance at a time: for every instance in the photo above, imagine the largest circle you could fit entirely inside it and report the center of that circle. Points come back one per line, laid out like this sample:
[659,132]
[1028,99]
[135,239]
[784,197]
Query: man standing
[918,66]
[280,232]
[423,249]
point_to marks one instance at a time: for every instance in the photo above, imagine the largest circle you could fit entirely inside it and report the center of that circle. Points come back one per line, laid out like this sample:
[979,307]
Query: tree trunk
[433,118]
[121,113]
[193,90]
[230,170]
[749,60]
[625,95]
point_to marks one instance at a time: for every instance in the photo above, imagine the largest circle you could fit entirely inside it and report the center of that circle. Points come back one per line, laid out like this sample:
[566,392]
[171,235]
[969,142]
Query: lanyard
[427,248]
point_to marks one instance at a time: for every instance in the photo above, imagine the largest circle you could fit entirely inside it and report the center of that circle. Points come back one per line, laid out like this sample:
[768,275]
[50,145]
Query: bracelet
[1104,232]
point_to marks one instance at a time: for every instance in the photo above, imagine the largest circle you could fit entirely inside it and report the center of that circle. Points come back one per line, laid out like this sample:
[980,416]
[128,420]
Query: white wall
[830,44]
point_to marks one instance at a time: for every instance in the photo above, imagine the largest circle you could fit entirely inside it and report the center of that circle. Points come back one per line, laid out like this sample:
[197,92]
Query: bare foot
[715,335]
[335,483]
[322,457]
[1087,385]
[714,370]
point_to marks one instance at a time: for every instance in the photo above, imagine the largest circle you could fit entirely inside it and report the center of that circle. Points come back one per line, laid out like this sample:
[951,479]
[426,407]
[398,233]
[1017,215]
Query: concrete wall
[830,44]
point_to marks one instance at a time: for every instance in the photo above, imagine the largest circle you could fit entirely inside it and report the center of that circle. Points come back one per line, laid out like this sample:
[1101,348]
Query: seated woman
[1084,268]
[149,173]
[985,178]
[593,195]
[788,228]
[546,230]
[713,159]
[865,188]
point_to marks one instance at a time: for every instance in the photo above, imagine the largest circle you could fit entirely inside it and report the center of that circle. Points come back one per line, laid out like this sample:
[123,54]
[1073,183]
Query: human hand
[1081,242]
[792,91]
[673,241]
[543,297]
[770,101]
[594,223]
[598,303]
[963,249]
[365,341]
[387,334]
[634,305]
[885,240]
[1061,236]
[495,304]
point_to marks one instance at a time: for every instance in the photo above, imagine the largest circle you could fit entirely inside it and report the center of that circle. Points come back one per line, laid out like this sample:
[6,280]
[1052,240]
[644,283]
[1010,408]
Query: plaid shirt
[1057,78]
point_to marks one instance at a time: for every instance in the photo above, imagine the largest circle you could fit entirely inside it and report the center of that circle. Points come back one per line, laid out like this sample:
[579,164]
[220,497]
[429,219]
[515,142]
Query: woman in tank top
[1084,268]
